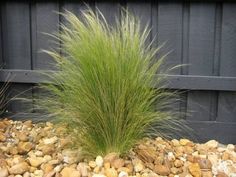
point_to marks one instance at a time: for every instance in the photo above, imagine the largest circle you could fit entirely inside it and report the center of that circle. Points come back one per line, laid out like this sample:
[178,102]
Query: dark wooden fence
[201,34]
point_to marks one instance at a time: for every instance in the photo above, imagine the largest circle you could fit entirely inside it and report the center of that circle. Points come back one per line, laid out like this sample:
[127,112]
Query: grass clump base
[102,89]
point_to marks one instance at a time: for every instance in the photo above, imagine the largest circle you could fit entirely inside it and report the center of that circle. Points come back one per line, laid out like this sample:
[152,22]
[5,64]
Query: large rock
[230,147]
[75,174]
[36,161]
[213,158]
[162,170]
[3,163]
[92,164]
[221,174]
[3,172]
[195,170]
[70,156]
[26,174]
[178,163]
[225,156]
[118,163]
[111,157]
[50,140]
[47,168]
[50,174]
[175,142]
[125,169]
[13,150]
[2,137]
[24,147]
[138,165]
[22,136]
[4,124]
[19,169]
[83,169]
[28,124]
[47,149]
[207,174]
[212,144]
[184,142]
[63,142]
[69,172]
[204,163]
[146,154]
[38,173]
[111,172]
[176,171]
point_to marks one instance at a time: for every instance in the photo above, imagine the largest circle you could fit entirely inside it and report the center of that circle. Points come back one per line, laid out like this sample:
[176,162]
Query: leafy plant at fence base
[102,90]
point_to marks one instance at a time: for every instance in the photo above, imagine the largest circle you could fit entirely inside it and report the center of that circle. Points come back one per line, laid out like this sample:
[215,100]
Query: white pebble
[221,149]
[31,154]
[171,156]
[123,174]
[230,147]
[195,153]
[39,153]
[38,173]
[26,174]
[138,167]
[58,168]
[47,158]
[99,161]
[212,144]
[50,140]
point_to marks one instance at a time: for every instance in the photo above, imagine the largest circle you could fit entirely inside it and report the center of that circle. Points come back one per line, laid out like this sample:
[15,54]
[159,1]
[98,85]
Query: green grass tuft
[102,89]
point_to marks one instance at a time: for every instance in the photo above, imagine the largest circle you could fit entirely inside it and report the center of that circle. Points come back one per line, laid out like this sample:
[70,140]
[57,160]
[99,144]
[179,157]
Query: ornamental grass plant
[106,89]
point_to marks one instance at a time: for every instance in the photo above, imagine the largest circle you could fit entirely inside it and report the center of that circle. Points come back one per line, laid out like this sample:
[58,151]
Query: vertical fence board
[46,20]
[170,32]
[185,35]
[16,48]
[110,10]
[167,19]
[1,40]
[201,54]
[227,100]
[16,35]
[185,54]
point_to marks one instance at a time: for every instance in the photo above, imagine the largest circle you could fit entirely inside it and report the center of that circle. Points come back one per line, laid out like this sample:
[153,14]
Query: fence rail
[180,82]
[198,33]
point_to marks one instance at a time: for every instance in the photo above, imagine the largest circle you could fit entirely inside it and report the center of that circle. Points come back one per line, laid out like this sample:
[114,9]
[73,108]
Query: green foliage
[102,89]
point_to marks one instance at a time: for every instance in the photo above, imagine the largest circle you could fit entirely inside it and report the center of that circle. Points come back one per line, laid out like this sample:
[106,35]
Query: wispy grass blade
[102,89]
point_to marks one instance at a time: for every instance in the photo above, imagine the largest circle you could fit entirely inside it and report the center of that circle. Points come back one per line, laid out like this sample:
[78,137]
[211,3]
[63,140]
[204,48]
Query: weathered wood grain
[17,49]
[200,56]
[227,100]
